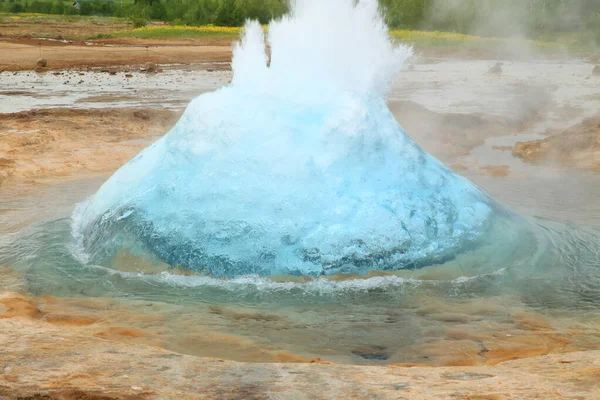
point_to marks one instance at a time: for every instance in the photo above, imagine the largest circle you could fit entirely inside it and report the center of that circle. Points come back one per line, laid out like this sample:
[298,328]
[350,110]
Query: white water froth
[253,284]
[297,167]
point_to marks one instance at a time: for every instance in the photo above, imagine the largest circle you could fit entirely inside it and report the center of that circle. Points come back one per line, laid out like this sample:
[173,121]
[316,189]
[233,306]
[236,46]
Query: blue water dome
[297,167]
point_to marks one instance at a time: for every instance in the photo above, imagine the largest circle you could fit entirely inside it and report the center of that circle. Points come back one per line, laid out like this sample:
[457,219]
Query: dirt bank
[575,147]
[57,351]
[44,144]
[51,361]
[452,135]
[23,54]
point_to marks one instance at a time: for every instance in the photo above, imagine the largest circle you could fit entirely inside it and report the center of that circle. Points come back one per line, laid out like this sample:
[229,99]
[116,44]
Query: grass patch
[67,26]
[427,39]
[178,32]
[57,18]
[419,39]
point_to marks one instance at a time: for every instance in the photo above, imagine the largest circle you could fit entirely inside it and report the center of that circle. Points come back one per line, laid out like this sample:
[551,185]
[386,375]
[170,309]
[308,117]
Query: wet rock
[496,69]
[59,37]
[42,62]
[319,361]
[574,147]
[502,148]
[6,166]
[150,67]
[142,114]
[112,72]
[465,376]
[128,76]
[596,71]
[371,352]
[496,170]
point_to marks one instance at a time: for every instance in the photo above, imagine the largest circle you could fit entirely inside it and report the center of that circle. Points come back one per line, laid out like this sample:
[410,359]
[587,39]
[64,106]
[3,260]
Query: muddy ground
[46,361]
[575,147]
[60,348]
[50,144]
[23,54]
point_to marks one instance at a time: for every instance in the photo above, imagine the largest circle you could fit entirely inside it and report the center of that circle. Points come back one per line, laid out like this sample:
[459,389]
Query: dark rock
[42,63]
[142,114]
[496,69]
[128,76]
[150,67]
[371,352]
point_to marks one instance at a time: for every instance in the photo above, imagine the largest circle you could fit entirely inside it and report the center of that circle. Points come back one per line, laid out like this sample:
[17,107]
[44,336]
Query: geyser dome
[297,167]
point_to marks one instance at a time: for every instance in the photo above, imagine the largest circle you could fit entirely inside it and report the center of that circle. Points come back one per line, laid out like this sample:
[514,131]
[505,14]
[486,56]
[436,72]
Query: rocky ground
[47,144]
[44,359]
[24,54]
[574,147]
[48,354]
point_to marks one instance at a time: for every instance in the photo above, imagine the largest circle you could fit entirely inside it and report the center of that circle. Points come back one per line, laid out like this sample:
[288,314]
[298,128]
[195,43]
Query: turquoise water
[396,317]
[296,169]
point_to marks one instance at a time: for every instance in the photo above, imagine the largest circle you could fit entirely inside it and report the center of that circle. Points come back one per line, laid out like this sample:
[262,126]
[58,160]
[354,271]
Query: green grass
[50,18]
[419,39]
[179,32]
[169,33]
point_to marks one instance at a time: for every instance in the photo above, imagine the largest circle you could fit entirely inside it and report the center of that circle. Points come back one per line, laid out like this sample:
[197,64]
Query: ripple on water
[438,315]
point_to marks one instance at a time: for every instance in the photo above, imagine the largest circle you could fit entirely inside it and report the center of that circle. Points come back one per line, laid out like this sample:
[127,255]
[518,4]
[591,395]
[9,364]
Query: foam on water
[298,167]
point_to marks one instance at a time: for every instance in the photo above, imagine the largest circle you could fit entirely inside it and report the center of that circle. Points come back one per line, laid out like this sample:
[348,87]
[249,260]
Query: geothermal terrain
[528,133]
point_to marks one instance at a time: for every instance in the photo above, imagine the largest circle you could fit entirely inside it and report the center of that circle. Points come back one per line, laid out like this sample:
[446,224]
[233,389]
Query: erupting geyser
[297,167]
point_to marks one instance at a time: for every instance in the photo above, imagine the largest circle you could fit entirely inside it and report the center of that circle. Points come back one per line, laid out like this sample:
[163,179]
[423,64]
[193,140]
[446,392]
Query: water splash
[297,167]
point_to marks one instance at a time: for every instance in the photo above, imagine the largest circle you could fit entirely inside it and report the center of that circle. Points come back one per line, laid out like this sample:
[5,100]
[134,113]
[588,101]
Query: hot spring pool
[449,314]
